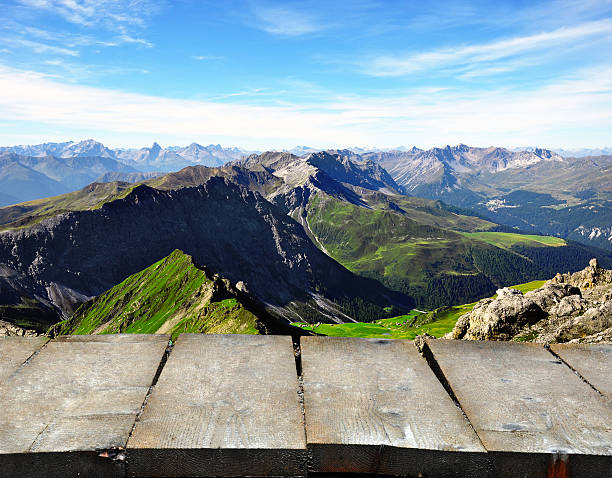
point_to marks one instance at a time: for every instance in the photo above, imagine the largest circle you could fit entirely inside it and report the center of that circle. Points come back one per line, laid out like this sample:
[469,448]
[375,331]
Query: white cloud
[93,12]
[208,57]
[285,21]
[40,47]
[572,112]
[109,23]
[393,65]
[125,38]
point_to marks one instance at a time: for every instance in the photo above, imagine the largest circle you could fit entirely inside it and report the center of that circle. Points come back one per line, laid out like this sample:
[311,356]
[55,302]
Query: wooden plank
[224,405]
[529,409]
[70,409]
[592,361]
[14,351]
[374,406]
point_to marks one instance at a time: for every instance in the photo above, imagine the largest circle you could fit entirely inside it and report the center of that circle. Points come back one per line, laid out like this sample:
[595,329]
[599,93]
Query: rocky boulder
[594,321]
[498,319]
[588,279]
[551,294]
[7,329]
[568,308]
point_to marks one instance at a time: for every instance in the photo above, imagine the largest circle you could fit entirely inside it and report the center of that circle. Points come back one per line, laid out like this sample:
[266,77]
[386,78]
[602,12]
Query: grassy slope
[437,323]
[385,242]
[437,266]
[172,295]
[506,240]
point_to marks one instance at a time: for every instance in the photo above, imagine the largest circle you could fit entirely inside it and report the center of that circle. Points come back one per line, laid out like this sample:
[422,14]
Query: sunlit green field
[508,239]
[437,323]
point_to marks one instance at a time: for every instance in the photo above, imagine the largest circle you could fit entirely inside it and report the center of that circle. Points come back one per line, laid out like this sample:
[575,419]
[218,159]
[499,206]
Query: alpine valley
[212,239]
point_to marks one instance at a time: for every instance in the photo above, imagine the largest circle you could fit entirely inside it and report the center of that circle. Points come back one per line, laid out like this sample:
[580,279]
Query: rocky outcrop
[568,308]
[551,294]
[500,318]
[7,329]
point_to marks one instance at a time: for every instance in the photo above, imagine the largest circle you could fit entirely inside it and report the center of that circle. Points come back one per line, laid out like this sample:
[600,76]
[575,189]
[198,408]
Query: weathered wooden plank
[74,404]
[592,361]
[374,406]
[14,351]
[529,409]
[224,405]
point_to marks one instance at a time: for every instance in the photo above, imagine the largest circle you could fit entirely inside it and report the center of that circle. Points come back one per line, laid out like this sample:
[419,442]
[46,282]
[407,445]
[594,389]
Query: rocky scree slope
[66,259]
[575,308]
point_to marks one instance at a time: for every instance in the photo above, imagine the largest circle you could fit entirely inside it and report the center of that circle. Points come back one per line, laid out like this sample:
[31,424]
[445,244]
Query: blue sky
[264,74]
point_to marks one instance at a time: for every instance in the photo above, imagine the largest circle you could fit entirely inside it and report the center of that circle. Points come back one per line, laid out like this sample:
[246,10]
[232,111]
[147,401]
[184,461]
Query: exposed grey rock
[569,306]
[499,318]
[592,322]
[419,340]
[550,294]
[7,329]
[568,313]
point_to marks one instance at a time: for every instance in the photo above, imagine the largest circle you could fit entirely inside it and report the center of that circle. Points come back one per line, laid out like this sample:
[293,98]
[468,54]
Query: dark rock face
[234,232]
[351,169]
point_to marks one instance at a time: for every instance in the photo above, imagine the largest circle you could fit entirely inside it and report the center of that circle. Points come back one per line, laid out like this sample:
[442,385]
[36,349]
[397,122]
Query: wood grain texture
[522,400]
[592,361]
[75,398]
[224,405]
[14,351]
[374,406]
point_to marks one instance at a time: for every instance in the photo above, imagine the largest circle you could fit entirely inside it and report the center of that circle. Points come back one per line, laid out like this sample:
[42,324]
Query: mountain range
[326,237]
[37,171]
[329,236]
[51,266]
[532,190]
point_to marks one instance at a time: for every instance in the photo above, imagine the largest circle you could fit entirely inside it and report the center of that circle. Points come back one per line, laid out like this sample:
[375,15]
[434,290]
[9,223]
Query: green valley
[443,259]
[437,322]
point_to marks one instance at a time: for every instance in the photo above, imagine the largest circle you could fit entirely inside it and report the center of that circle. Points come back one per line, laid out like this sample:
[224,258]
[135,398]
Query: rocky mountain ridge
[535,191]
[147,159]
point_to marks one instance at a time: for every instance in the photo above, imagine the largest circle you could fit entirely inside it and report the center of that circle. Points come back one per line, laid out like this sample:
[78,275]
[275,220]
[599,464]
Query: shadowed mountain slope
[236,233]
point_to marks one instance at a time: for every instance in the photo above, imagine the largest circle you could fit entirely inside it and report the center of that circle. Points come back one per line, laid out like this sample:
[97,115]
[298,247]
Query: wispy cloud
[401,65]
[208,58]
[580,104]
[40,47]
[288,21]
[95,12]
[125,38]
[112,22]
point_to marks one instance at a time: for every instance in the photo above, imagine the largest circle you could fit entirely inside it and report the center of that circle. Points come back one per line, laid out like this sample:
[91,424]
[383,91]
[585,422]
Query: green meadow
[437,322]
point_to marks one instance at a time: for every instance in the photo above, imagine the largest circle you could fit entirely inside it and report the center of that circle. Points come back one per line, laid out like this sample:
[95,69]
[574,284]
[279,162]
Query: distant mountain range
[37,171]
[574,152]
[533,190]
